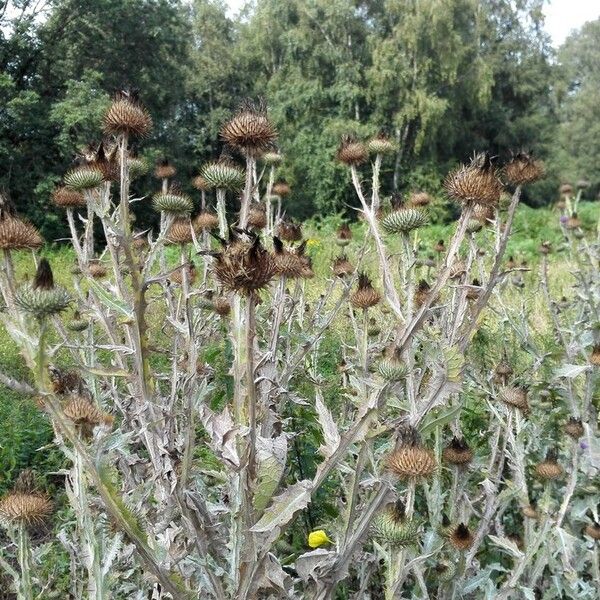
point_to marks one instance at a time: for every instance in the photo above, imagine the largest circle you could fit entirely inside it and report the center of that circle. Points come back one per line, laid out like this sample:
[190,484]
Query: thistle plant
[184,376]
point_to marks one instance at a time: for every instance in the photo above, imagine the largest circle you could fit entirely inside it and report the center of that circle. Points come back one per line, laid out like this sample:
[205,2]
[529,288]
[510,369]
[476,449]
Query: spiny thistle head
[475,183]
[341,266]
[77,323]
[127,115]
[172,202]
[344,235]
[422,293]
[250,131]
[573,222]
[365,296]
[411,460]
[84,177]
[86,415]
[393,528]
[583,184]
[381,144]
[257,217]
[391,366]
[137,167]
[103,156]
[289,231]
[222,306]
[515,397]
[595,355]
[223,174]
[64,197]
[523,169]
[281,188]
[404,220]
[445,571]
[549,468]
[205,221]
[164,169]
[25,504]
[460,537]
[96,269]
[420,199]
[177,276]
[200,183]
[244,266]
[272,158]
[574,428]
[42,298]
[565,189]
[288,263]
[351,152]
[180,231]
[16,234]
[457,452]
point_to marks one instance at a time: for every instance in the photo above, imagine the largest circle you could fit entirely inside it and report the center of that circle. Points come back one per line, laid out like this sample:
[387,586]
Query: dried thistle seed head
[392,528]
[503,369]
[222,306]
[411,460]
[289,231]
[86,415]
[440,247]
[381,144]
[420,199]
[574,428]
[16,234]
[404,220]
[460,537]
[583,184]
[177,276]
[205,221]
[180,231]
[223,174]
[595,356]
[140,240]
[82,178]
[549,468]
[476,183]
[484,214]
[172,202]
[351,152]
[104,157]
[530,511]
[365,296]
[257,217]
[250,130]
[566,189]
[96,269]
[288,263]
[459,268]
[65,197]
[391,367]
[272,158]
[64,382]
[341,266]
[244,266]
[523,169]
[573,222]
[127,115]
[593,530]
[474,290]
[200,183]
[344,235]
[281,188]
[515,397]
[422,293]
[25,508]
[164,169]
[26,482]
[457,452]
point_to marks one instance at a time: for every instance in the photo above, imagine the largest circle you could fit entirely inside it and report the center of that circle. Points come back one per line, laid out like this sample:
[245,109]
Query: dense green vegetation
[444,78]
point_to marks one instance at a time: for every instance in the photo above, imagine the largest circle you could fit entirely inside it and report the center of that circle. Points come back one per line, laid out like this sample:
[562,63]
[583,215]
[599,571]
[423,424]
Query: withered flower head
[104,157]
[420,199]
[545,247]
[200,183]
[244,266]
[549,468]
[180,231]
[344,234]
[440,247]
[288,263]
[177,276]
[411,461]
[289,231]
[523,169]
[422,293]
[164,169]
[583,184]
[86,415]
[44,279]
[281,188]
[127,115]
[351,152]
[566,189]
[250,129]
[67,198]
[365,296]
[476,183]
[96,269]
[342,266]
[457,452]
[206,221]
[595,355]
[574,428]
[28,509]
[257,217]
[515,397]
[573,222]
[222,306]
[460,537]
[272,158]
[16,234]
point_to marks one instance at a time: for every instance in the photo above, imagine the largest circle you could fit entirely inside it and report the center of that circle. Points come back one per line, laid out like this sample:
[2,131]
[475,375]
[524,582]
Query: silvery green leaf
[271,454]
[283,508]
[528,593]
[311,565]
[439,418]
[507,545]
[331,435]
[570,371]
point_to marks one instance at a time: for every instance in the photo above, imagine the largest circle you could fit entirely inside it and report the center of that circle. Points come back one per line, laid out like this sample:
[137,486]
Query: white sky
[562,16]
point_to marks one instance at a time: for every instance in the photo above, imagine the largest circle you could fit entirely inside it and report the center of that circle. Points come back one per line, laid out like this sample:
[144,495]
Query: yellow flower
[318,538]
[312,242]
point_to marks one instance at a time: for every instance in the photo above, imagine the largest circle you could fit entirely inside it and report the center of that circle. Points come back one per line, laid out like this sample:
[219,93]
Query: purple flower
[563,219]
[583,445]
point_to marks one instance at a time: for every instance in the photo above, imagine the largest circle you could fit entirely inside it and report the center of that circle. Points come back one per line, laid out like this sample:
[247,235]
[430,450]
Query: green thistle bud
[84,178]
[392,368]
[224,174]
[391,527]
[404,220]
[172,202]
